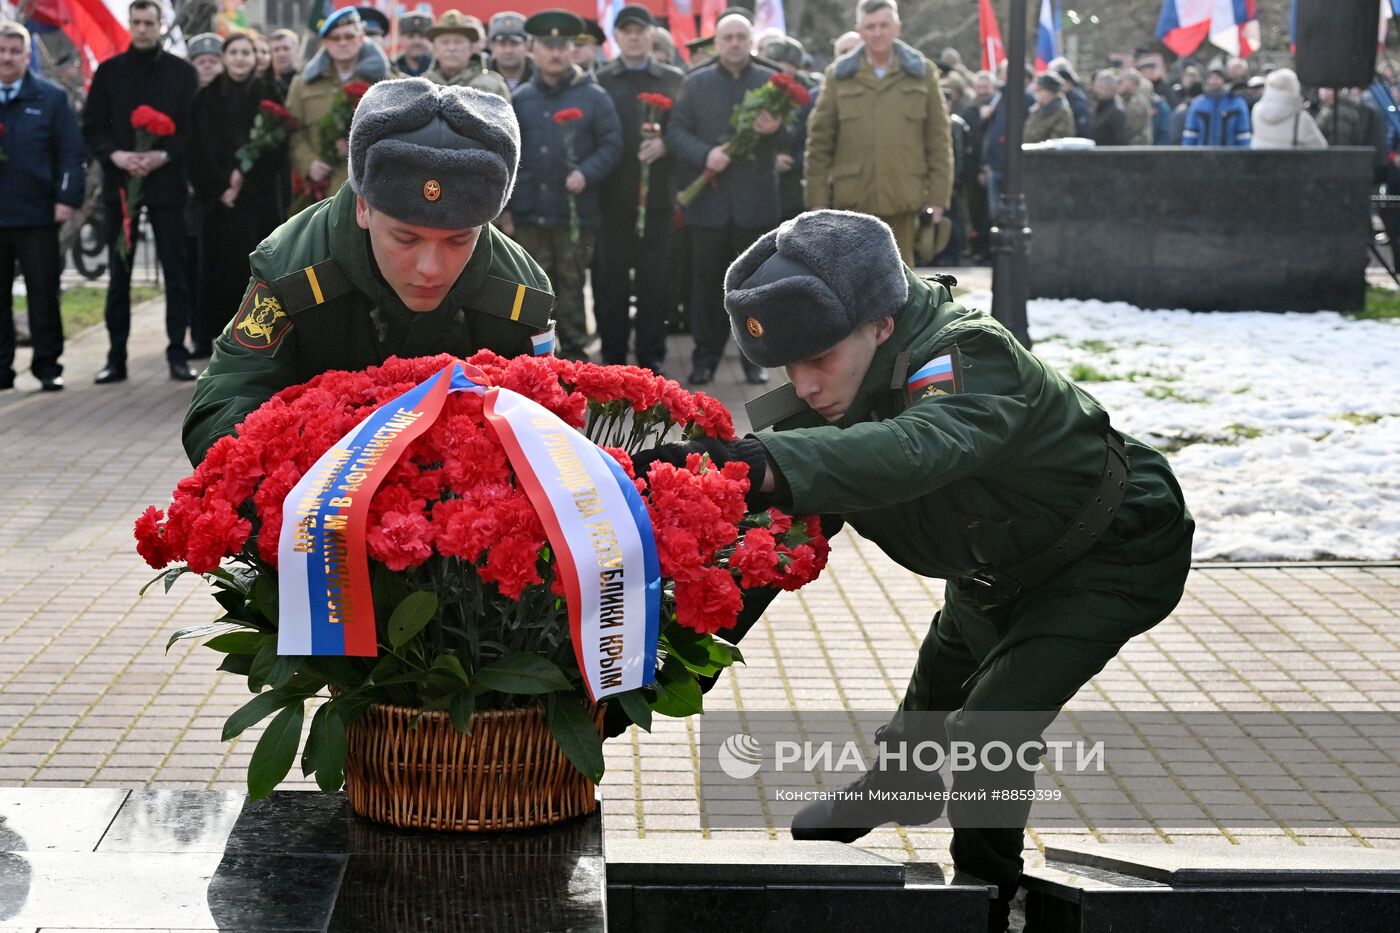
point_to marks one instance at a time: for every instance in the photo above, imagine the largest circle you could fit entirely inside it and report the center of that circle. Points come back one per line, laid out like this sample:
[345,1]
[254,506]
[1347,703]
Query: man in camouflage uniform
[963,456]
[403,261]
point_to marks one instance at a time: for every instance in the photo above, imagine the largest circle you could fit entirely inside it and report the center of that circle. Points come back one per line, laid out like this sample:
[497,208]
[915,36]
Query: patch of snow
[1284,429]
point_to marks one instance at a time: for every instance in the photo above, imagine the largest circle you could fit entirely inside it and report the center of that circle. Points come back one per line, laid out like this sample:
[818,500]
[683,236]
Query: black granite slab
[1237,889]
[658,860]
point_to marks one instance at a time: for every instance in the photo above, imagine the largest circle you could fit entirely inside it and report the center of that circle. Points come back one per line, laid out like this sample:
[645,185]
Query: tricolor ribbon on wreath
[595,519]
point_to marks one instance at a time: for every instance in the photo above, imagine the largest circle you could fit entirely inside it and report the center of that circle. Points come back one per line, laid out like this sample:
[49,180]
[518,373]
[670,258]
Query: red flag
[91,25]
[993,52]
[681,15]
[709,15]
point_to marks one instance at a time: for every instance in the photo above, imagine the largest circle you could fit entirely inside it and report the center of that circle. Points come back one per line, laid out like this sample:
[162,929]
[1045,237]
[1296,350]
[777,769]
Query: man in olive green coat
[878,140]
[963,456]
[344,56]
[454,62]
[403,261]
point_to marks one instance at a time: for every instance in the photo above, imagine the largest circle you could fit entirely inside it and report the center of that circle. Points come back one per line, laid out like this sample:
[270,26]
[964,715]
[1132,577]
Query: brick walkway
[89,696]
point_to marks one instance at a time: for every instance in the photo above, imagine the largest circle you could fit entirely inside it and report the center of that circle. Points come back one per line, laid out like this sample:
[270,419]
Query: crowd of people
[917,141]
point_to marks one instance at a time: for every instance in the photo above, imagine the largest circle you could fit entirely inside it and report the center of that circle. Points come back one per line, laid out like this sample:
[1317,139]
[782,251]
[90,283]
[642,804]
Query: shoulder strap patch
[514,301]
[261,321]
[773,406]
[312,286]
[939,376]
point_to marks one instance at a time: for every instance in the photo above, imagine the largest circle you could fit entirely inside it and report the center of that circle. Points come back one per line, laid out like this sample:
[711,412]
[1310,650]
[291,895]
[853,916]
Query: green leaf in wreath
[276,750]
[410,616]
[240,664]
[169,576]
[202,631]
[522,673]
[240,642]
[679,697]
[451,665]
[259,708]
[462,708]
[271,669]
[573,729]
[635,705]
[326,748]
[265,596]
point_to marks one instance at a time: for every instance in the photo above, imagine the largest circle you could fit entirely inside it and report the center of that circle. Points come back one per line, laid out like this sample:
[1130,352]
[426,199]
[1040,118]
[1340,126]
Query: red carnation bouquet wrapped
[271,128]
[150,125]
[782,97]
[654,106]
[334,128]
[469,608]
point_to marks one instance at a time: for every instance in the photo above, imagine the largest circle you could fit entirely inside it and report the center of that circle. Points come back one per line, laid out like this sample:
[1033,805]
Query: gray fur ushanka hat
[442,157]
[804,287]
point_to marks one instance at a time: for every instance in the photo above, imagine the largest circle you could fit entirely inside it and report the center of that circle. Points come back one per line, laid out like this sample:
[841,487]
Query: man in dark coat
[144,74]
[623,254]
[1110,121]
[742,203]
[554,210]
[964,457]
[41,183]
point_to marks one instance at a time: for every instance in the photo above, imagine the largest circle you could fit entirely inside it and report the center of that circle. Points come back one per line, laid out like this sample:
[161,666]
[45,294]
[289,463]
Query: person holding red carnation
[237,208]
[402,261]
[965,457]
[145,75]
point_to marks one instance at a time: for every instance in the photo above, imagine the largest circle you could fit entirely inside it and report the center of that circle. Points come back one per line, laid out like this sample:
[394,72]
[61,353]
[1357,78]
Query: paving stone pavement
[89,696]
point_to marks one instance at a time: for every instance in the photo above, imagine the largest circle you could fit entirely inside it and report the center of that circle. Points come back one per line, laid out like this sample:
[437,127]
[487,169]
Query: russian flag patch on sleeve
[939,376]
[543,344]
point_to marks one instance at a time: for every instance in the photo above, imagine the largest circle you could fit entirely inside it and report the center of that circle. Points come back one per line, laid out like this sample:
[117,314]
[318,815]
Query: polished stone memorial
[1259,886]
[781,886]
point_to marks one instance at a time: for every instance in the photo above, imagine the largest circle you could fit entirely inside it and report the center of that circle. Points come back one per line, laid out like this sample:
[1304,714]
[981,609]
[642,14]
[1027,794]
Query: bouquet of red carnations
[782,96]
[150,125]
[271,128]
[470,591]
[653,106]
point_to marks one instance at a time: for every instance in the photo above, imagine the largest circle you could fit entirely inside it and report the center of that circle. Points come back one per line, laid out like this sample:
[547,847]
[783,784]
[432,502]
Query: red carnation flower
[709,603]
[568,115]
[354,90]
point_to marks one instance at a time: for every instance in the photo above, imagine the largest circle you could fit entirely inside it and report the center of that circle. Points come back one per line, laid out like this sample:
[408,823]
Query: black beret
[804,287]
[434,156]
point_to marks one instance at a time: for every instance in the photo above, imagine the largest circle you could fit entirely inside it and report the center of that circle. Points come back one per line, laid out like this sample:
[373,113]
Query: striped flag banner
[596,522]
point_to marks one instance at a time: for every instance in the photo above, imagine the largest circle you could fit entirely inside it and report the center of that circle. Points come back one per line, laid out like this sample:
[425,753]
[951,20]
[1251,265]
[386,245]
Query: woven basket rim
[440,713]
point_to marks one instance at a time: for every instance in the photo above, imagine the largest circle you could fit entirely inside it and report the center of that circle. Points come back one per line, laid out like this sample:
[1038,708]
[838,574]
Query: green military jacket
[981,470]
[302,315]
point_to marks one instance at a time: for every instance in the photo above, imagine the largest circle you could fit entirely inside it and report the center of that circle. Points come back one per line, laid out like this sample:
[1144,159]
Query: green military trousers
[565,262]
[1030,655]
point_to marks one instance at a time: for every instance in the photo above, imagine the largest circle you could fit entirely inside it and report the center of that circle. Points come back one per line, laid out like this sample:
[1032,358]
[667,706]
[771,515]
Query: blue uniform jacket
[43,154]
[1222,120]
[539,196]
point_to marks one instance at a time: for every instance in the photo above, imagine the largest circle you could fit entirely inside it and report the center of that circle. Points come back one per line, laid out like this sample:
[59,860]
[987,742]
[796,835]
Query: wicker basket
[508,774]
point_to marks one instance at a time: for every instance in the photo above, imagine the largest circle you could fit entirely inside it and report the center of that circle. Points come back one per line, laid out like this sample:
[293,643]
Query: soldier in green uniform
[963,456]
[403,261]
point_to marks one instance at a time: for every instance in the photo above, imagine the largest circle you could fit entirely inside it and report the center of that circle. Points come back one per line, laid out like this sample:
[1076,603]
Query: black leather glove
[746,450]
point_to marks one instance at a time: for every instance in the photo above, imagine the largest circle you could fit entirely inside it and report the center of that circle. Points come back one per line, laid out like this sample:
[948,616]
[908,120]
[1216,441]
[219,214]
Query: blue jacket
[43,155]
[539,196]
[1222,120]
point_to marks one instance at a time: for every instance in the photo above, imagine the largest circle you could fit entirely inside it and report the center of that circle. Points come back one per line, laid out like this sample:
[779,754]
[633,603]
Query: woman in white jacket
[1280,119]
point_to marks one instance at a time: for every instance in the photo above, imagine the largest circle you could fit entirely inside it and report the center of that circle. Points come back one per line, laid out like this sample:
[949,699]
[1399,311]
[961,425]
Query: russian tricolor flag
[1047,40]
[1231,25]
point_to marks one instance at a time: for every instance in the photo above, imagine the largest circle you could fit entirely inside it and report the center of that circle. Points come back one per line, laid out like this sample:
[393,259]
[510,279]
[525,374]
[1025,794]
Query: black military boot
[910,797]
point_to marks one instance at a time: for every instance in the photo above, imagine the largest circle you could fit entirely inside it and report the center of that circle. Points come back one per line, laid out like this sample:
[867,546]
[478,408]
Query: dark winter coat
[1110,123]
[746,193]
[623,84]
[43,155]
[539,196]
[123,83]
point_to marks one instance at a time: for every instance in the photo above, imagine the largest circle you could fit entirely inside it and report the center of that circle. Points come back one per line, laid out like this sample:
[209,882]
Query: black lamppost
[1011,230]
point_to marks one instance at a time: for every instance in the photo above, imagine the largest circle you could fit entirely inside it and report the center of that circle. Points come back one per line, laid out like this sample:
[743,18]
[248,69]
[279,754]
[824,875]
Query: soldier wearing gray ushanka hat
[434,156]
[804,287]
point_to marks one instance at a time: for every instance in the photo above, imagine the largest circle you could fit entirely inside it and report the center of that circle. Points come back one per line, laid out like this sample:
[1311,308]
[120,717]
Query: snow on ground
[1284,429]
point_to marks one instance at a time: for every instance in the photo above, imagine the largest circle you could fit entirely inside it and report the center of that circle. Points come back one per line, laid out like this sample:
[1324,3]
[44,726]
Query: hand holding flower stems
[574,183]
[150,125]
[271,129]
[762,112]
[652,148]
[335,129]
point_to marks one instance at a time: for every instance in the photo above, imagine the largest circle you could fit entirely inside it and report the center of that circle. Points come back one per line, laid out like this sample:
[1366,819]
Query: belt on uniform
[1075,540]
